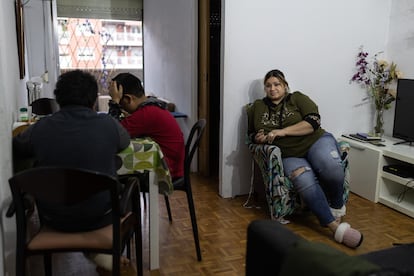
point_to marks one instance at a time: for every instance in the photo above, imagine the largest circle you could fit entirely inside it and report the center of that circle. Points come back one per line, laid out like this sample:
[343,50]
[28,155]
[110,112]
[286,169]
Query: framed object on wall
[20,36]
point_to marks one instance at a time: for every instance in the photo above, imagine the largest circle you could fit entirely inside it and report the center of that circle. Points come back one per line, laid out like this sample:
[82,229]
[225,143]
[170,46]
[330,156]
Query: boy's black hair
[130,84]
[76,88]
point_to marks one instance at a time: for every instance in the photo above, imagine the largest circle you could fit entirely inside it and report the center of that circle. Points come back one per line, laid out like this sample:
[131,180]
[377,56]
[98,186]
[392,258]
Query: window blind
[100,9]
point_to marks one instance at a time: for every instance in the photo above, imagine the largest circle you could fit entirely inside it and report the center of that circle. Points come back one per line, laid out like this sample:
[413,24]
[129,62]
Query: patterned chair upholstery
[282,199]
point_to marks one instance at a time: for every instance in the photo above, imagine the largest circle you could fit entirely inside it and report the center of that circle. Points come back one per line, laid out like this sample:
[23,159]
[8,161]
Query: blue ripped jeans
[321,185]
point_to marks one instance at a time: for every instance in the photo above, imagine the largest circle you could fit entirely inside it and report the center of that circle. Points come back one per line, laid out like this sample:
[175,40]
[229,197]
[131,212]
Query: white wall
[314,43]
[170,54]
[11,87]
[401,38]
[400,46]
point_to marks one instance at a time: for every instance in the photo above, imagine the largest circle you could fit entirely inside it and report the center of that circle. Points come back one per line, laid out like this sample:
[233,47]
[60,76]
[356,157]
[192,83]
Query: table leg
[153,221]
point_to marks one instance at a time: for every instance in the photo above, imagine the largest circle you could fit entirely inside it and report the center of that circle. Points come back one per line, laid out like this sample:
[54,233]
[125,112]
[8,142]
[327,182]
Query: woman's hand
[272,135]
[260,137]
[114,92]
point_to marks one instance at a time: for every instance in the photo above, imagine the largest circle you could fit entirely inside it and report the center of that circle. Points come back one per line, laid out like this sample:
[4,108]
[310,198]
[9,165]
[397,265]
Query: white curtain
[42,55]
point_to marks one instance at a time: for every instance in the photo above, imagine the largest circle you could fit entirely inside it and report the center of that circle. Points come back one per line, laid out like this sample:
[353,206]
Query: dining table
[144,154]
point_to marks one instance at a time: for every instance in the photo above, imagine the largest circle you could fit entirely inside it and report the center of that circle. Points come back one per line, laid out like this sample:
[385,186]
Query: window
[100,39]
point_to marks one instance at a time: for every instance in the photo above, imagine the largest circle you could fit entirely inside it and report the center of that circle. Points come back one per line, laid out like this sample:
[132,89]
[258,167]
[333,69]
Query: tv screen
[404,111]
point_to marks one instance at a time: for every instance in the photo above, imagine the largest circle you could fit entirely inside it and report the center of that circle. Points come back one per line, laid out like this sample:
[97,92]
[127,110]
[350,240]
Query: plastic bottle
[23,114]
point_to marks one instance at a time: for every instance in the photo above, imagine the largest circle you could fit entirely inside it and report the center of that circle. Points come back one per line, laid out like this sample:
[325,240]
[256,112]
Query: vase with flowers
[377,76]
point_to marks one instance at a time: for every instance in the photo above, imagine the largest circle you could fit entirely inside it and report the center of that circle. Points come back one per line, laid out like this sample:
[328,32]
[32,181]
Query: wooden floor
[222,228]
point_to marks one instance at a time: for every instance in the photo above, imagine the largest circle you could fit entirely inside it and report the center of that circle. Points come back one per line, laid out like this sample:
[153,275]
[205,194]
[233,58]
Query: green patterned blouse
[288,112]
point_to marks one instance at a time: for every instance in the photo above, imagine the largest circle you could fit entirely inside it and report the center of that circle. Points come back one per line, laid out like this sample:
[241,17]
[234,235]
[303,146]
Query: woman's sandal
[348,236]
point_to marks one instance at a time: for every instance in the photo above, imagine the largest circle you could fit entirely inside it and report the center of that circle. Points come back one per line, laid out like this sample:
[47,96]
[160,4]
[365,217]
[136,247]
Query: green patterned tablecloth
[143,154]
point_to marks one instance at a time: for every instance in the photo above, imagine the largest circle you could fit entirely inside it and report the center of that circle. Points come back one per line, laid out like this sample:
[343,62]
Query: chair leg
[47,262]
[20,264]
[116,264]
[138,233]
[138,251]
[144,198]
[193,222]
[145,190]
[128,248]
[167,204]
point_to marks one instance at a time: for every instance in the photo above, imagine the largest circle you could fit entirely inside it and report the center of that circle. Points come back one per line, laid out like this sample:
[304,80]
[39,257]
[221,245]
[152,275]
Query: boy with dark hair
[76,136]
[147,117]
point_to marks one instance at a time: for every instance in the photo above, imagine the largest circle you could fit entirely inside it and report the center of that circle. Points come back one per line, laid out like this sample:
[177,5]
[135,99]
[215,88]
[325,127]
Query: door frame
[203,83]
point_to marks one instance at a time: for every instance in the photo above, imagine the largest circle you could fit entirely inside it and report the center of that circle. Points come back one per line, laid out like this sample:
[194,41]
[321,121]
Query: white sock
[337,213]
[101,260]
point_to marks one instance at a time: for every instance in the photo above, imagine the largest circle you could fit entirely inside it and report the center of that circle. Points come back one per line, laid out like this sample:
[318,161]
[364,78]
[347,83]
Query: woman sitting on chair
[310,155]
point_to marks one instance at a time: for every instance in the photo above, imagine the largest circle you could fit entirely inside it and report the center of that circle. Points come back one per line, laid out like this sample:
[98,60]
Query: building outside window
[104,47]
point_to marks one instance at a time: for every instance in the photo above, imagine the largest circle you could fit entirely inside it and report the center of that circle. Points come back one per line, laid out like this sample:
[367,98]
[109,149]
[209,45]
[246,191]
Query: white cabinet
[370,181]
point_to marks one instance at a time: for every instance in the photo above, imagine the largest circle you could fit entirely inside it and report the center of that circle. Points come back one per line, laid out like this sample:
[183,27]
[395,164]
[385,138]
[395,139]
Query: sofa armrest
[397,257]
[273,249]
[268,242]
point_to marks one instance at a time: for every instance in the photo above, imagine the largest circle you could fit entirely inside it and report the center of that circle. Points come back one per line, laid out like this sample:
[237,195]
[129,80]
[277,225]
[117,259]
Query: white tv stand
[371,182]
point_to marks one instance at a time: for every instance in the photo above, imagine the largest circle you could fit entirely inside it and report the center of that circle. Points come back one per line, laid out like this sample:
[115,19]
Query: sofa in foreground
[273,249]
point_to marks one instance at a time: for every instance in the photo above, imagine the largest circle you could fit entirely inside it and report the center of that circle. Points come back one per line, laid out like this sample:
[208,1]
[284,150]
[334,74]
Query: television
[404,111]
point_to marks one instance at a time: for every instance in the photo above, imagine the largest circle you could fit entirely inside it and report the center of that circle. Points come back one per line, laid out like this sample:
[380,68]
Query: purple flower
[376,77]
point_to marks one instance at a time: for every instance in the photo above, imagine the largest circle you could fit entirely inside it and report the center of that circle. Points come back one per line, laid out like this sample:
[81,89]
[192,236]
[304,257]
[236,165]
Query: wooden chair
[66,187]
